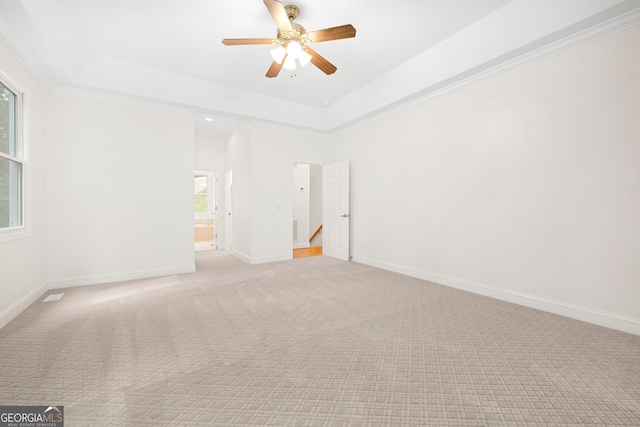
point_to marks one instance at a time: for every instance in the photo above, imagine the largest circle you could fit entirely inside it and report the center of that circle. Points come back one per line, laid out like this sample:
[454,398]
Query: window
[200,199]
[204,195]
[11,161]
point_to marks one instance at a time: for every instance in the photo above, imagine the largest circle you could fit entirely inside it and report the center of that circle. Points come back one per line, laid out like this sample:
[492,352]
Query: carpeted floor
[312,341]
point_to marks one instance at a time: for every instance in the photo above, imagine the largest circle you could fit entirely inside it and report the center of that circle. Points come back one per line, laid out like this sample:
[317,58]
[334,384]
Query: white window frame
[211,189]
[20,156]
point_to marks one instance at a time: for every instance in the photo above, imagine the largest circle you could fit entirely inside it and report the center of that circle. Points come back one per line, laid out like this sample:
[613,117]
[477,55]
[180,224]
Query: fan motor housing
[298,33]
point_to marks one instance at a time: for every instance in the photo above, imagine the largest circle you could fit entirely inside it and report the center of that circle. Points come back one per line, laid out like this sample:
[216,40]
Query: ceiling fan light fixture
[278,54]
[304,58]
[290,46]
[294,49]
[289,63]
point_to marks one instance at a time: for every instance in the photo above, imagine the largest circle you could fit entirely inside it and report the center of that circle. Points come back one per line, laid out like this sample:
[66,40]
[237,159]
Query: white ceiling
[170,52]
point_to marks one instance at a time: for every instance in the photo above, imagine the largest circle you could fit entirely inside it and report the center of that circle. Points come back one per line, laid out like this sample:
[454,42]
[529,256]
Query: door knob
[345,215]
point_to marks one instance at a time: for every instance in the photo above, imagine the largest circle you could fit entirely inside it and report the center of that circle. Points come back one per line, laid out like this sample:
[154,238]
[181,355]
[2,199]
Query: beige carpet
[204,245]
[312,341]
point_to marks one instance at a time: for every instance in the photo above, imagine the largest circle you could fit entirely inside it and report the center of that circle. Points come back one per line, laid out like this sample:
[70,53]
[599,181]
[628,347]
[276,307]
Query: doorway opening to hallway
[205,210]
[307,210]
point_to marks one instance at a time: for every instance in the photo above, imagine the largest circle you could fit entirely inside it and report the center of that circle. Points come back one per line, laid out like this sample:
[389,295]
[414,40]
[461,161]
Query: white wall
[120,193]
[526,187]
[23,268]
[273,153]
[261,159]
[209,153]
[301,192]
[238,160]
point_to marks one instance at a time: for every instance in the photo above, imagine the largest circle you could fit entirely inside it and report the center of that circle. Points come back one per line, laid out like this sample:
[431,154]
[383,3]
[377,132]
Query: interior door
[216,214]
[228,208]
[335,210]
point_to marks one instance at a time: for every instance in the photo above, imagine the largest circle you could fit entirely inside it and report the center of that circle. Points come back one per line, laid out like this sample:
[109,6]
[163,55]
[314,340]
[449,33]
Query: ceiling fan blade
[274,69]
[237,42]
[276,9]
[334,33]
[319,61]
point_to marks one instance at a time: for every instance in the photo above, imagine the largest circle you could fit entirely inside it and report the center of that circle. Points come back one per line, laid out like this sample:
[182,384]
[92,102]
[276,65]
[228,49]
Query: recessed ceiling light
[209,119]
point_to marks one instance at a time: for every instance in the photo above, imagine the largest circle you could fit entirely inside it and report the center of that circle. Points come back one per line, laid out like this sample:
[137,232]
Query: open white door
[228,209]
[335,210]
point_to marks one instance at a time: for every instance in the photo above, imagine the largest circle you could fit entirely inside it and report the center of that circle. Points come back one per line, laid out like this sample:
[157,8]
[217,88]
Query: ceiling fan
[292,40]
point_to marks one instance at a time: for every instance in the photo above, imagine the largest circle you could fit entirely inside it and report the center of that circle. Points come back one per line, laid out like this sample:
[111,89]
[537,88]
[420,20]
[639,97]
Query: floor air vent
[53,297]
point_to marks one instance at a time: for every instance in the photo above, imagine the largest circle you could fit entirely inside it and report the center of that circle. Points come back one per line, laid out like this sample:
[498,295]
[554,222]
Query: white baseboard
[597,317]
[241,256]
[275,258]
[10,313]
[120,277]
[261,260]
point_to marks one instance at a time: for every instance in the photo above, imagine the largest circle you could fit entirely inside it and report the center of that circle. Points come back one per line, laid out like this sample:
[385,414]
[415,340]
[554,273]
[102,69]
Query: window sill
[14,233]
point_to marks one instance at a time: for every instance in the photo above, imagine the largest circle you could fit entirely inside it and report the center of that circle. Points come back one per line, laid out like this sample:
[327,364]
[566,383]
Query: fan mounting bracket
[292,11]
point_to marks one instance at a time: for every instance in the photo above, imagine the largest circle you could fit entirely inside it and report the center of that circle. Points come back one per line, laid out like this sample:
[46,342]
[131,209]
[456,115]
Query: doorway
[205,210]
[307,210]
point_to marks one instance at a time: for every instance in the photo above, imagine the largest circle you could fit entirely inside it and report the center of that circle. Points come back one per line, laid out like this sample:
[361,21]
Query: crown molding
[465,81]
[120,99]
[8,38]
[288,128]
[499,66]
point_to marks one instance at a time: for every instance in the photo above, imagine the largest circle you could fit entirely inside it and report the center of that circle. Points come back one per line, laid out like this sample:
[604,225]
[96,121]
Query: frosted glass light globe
[278,54]
[294,49]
